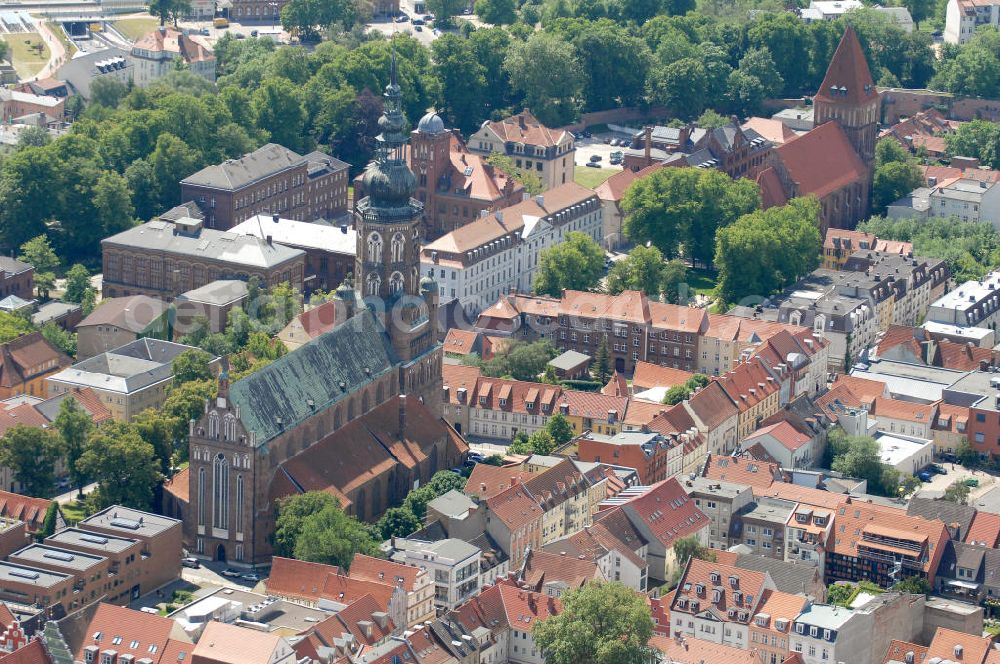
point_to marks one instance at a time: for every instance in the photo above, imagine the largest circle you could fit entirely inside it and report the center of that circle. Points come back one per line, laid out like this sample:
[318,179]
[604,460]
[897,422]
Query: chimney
[540,201]
[513,480]
[648,136]
[402,413]
[270,240]
[381,618]
[343,229]
[275,217]
[482,487]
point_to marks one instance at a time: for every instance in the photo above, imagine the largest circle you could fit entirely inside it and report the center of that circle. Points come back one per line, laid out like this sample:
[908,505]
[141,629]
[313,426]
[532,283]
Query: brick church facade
[834,161]
[355,412]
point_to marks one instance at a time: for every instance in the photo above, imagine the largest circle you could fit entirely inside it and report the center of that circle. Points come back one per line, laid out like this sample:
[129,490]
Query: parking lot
[587,147]
[955,472]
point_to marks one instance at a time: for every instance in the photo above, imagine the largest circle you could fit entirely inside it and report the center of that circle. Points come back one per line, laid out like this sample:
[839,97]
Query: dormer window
[700,589]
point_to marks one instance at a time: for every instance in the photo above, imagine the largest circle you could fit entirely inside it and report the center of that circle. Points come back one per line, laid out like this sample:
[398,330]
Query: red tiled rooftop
[783,432]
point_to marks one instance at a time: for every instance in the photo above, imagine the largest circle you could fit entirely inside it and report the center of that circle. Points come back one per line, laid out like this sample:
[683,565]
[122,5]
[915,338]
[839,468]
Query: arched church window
[374,284]
[398,247]
[396,283]
[375,247]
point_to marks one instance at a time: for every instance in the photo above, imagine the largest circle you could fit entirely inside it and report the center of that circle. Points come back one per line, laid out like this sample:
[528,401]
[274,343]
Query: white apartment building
[154,53]
[964,16]
[479,262]
[823,634]
[973,304]
[965,198]
[452,563]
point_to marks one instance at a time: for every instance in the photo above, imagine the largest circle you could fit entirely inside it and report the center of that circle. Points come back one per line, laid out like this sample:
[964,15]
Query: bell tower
[848,97]
[387,263]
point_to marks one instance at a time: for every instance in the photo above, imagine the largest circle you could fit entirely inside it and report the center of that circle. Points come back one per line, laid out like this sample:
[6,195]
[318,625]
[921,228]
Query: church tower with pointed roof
[389,221]
[848,96]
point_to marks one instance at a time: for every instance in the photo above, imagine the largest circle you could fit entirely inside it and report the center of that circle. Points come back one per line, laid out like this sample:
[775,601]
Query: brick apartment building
[175,254]
[738,152]
[16,278]
[270,180]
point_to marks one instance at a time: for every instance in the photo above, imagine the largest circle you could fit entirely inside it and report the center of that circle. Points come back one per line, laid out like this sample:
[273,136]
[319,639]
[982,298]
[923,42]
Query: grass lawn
[701,281]
[63,39]
[73,512]
[592,177]
[133,28]
[24,54]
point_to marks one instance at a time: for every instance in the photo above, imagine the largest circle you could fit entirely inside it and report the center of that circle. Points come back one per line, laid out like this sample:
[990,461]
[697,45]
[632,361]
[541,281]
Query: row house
[477,263]
[717,603]
[761,528]
[661,514]
[614,546]
[515,519]
[501,408]
[716,417]
[593,411]
[754,391]
[800,359]
[727,339]
[840,244]
[971,304]
[565,495]
[416,582]
[916,282]
[654,456]
[721,502]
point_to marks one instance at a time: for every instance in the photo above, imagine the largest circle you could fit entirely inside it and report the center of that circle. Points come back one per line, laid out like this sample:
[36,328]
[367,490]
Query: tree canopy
[576,263]
[767,250]
[600,623]
[313,527]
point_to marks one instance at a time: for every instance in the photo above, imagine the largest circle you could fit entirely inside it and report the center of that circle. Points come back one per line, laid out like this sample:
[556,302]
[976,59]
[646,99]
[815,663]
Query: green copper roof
[277,397]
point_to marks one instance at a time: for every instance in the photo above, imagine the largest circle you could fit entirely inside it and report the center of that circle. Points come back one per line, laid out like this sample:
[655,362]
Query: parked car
[418,21]
[193,563]
[936,469]
[418,28]
[239,35]
[250,576]
[231,573]
[949,457]
[615,161]
[596,157]
[428,17]
[971,482]
[924,476]
[205,32]
[586,134]
[403,18]
[593,164]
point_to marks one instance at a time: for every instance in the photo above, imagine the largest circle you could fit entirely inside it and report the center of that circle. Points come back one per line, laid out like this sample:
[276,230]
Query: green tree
[676,208]
[33,136]
[676,394]
[77,283]
[51,519]
[546,70]
[171,161]
[957,492]
[913,585]
[520,360]
[531,181]
[107,91]
[840,594]
[184,403]
[38,252]
[643,270]
[893,181]
[30,453]
[192,365]
[444,10]
[600,623]
[681,86]
[602,363]
[978,138]
[313,527]
[539,442]
[397,522]
[124,466]
[12,326]
[73,425]
[60,338]
[788,40]
[687,547]
[559,428]
[497,12]
[462,79]
[674,282]
[157,428]
[575,264]
[768,249]
[277,109]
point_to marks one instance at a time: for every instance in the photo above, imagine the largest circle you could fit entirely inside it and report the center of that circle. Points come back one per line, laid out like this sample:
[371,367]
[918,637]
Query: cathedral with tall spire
[356,411]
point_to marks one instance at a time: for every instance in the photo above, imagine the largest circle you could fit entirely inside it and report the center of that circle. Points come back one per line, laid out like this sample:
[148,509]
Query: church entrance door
[220,553]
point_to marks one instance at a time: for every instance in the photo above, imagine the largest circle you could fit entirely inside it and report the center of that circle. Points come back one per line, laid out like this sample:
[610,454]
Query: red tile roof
[541,568]
[384,571]
[822,161]
[456,376]
[849,72]
[648,375]
[116,623]
[352,620]
[29,356]
[614,188]
[319,319]
[505,606]
[345,590]
[783,432]
[33,653]
[27,509]
[515,507]
[666,512]
[896,652]
[741,471]
[772,192]
[460,341]
[775,131]
[173,41]
[22,414]
[712,405]
[861,240]
[641,413]
[297,578]
[617,386]
[895,409]
[222,643]
[525,128]
[749,384]
[179,485]
[698,589]
[974,648]
[865,389]
[496,478]
[984,530]
[697,651]
[592,405]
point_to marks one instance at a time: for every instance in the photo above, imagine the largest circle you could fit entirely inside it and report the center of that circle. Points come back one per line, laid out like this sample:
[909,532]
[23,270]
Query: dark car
[428,17]
[403,18]
[418,28]
[418,21]
[593,164]
[924,476]
[586,134]
[254,33]
[240,35]
[936,469]
[193,563]
[596,157]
